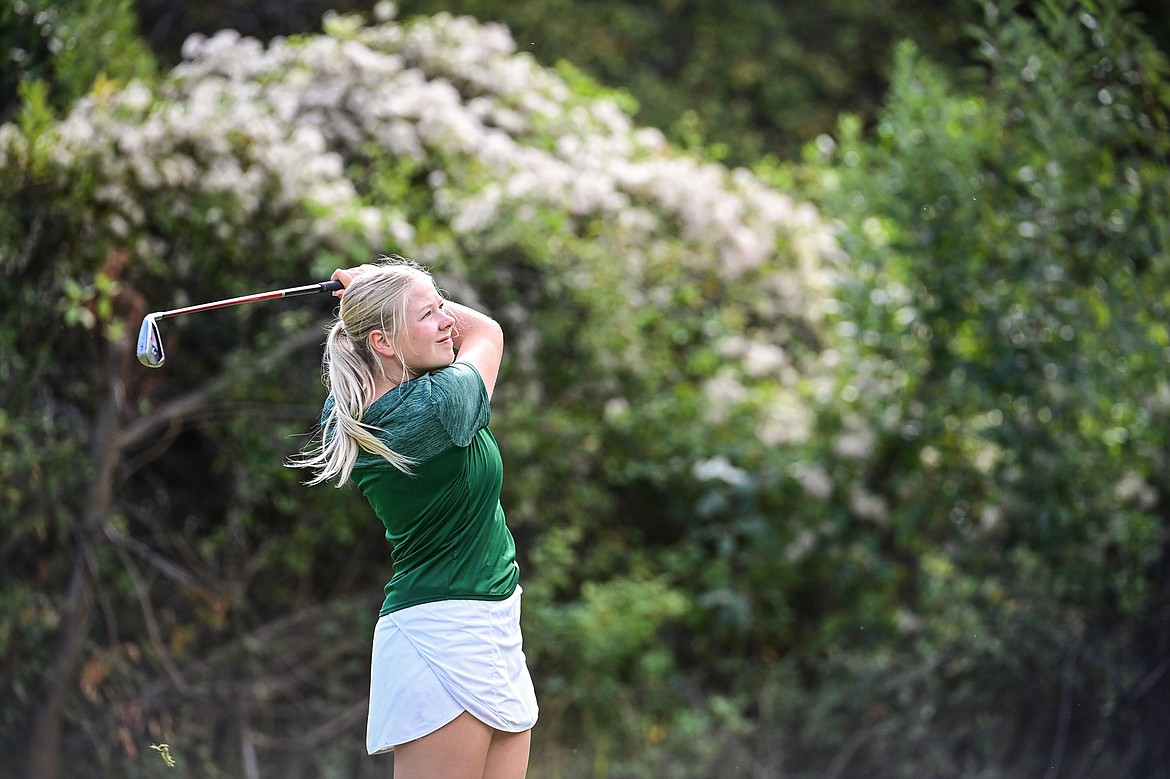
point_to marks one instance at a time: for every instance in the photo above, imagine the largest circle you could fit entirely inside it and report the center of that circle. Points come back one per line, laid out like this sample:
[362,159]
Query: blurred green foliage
[961,571]
[68,45]
[751,78]
[738,80]
[1008,244]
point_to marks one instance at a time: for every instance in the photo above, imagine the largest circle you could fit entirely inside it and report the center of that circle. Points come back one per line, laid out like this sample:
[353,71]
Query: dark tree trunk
[44,743]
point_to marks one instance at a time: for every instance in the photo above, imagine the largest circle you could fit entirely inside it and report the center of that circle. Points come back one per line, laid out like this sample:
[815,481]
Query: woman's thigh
[458,750]
[508,755]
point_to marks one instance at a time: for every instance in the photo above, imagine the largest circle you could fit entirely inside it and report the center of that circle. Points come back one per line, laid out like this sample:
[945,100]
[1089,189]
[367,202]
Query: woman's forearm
[472,327]
[479,340]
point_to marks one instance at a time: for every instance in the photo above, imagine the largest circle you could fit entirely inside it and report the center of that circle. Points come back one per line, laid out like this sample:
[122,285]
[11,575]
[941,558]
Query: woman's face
[425,341]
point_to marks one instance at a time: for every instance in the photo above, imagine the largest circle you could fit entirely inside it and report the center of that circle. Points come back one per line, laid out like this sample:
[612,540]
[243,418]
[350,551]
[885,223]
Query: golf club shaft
[308,289]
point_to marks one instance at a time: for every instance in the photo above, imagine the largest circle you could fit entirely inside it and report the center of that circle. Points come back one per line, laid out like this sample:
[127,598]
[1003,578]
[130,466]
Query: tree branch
[345,720]
[196,402]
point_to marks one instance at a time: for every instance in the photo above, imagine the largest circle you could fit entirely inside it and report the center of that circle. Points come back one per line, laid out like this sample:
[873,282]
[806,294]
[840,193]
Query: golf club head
[150,348]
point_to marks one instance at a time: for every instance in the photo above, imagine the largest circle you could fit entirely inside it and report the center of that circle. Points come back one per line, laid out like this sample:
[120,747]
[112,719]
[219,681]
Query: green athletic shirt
[448,536]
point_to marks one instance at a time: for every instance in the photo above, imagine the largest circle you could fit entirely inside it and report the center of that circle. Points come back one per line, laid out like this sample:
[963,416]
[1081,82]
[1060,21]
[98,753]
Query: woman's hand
[346,277]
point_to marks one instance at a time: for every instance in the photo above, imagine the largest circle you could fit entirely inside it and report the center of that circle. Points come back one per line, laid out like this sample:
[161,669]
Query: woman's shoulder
[458,372]
[459,399]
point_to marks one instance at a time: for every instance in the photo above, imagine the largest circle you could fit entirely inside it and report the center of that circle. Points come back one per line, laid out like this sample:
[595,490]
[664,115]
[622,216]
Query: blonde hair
[375,299]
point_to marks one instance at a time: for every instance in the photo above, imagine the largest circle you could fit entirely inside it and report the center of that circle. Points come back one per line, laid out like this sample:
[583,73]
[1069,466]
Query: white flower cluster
[451,90]
[210,140]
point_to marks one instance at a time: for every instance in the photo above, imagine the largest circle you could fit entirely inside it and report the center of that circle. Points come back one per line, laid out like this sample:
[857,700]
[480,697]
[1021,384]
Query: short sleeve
[460,400]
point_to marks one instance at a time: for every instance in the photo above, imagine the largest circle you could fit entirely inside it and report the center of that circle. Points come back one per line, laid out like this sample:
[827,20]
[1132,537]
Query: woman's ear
[380,343]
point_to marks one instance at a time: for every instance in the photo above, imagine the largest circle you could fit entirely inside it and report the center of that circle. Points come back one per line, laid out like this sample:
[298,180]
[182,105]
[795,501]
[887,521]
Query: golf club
[150,348]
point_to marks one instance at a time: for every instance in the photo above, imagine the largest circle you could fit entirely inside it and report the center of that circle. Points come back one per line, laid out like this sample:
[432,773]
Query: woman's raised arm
[479,340]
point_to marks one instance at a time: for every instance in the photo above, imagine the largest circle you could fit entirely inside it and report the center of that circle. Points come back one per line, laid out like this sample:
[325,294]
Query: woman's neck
[382,386]
[389,380]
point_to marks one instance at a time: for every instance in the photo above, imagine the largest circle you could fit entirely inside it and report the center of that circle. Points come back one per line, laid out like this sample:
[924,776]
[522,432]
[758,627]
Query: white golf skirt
[434,661]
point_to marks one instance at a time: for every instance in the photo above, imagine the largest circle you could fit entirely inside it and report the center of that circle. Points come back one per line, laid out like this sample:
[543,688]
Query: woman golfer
[410,377]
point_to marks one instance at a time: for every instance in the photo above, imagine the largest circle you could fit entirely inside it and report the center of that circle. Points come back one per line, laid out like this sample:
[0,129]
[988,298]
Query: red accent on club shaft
[256,298]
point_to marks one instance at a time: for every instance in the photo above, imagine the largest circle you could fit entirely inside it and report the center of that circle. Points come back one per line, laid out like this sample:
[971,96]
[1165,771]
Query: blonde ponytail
[375,299]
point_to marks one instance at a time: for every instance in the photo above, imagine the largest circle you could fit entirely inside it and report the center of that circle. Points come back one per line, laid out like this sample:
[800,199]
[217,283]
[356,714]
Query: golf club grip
[308,289]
